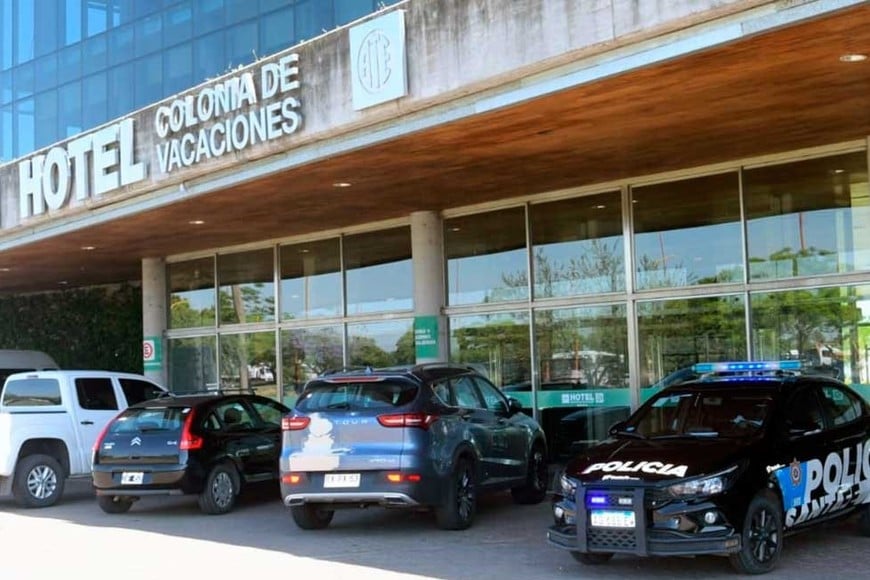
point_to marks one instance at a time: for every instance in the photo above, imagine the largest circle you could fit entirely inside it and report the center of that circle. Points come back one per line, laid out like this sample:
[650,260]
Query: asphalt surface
[163,537]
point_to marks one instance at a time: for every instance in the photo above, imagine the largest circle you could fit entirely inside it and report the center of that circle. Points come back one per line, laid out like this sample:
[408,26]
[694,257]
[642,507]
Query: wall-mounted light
[89,248]
[341,184]
[853,57]
[196,222]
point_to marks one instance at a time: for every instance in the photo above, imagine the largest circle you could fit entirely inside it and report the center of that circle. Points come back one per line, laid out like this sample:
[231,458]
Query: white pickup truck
[49,421]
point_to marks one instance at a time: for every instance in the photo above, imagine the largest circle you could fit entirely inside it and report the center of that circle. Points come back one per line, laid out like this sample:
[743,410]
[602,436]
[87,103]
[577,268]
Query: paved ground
[168,537]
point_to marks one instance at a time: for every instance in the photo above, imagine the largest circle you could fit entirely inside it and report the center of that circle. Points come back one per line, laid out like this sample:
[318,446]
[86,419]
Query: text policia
[225,117]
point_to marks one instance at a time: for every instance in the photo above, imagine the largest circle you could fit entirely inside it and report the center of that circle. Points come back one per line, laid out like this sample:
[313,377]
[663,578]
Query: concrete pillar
[154,319]
[427,251]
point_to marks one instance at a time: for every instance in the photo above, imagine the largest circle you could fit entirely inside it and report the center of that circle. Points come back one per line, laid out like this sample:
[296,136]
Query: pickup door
[96,402]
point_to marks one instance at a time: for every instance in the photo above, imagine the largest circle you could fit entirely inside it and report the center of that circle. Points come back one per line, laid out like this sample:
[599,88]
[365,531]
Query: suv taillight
[294,423]
[189,441]
[421,420]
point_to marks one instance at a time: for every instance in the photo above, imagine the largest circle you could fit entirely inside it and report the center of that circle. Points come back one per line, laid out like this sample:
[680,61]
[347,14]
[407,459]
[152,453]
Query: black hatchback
[209,445]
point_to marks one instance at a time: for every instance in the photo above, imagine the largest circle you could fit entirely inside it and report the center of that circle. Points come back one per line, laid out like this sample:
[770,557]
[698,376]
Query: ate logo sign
[148,350]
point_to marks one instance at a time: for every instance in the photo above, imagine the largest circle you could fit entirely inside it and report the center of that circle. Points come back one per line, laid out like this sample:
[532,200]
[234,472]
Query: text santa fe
[231,108]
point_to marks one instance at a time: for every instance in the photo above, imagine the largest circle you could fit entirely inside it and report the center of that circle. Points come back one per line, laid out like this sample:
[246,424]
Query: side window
[136,391]
[235,416]
[96,394]
[270,412]
[442,393]
[211,422]
[465,394]
[494,400]
[804,411]
[840,406]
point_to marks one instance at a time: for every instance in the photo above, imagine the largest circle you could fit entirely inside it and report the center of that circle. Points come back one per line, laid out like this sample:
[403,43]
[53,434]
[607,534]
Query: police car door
[846,467]
[800,458]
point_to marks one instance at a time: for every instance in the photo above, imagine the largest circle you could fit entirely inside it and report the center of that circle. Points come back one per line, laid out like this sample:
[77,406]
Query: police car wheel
[592,559]
[864,521]
[761,541]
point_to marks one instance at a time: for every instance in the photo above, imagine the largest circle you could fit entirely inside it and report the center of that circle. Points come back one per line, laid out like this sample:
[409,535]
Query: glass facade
[60,60]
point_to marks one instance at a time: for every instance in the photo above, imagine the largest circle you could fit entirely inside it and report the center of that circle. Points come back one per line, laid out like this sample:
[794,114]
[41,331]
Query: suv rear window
[145,420]
[384,394]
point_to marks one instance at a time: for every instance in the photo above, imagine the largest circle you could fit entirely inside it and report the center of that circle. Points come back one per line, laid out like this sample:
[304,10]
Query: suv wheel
[113,504]
[311,516]
[761,541]
[534,490]
[221,489]
[460,500]
[38,482]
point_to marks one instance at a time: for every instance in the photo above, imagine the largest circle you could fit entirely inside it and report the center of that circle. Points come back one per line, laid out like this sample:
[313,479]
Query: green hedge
[85,328]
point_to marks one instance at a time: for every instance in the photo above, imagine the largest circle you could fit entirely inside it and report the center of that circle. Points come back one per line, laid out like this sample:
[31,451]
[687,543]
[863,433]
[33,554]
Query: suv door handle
[87,422]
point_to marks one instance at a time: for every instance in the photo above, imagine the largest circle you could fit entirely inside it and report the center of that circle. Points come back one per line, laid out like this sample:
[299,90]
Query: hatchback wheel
[311,516]
[534,490]
[761,537]
[221,489]
[38,481]
[460,500]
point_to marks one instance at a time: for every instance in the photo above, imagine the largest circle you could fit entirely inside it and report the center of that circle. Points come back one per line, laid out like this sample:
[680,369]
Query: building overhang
[738,84]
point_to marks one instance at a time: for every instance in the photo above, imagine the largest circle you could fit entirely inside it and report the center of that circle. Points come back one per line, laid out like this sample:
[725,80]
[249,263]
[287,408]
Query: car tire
[460,500]
[221,490]
[761,536]
[534,490]
[38,482]
[113,504]
[311,516]
[592,558]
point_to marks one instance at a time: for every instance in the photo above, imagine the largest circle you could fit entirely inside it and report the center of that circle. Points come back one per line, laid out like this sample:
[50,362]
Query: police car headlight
[708,485]
[567,486]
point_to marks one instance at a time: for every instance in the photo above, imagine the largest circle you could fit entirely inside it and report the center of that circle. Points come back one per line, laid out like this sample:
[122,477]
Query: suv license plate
[612,518]
[131,478]
[341,480]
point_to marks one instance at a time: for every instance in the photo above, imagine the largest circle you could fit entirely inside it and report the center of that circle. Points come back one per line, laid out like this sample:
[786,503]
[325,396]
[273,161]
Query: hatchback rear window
[145,420]
[323,396]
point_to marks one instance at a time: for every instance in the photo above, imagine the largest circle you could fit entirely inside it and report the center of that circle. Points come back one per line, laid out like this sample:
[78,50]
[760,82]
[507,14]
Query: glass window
[381,344]
[840,406]
[5,87]
[492,398]
[136,391]
[349,10]
[72,21]
[238,10]
[803,412]
[96,394]
[6,37]
[193,364]
[242,43]
[313,18]
[24,81]
[248,363]
[24,30]
[209,57]
[675,334]
[826,328]
[191,293]
[94,54]
[178,23]
[307,353]
[267,5]
[45,72]
[270,413]
[122,44]
[25,127]
[208,16]
[97,16]
[31,393]
[277,31]
[235,416]
[465,393]
[178,68]
[123,100]
[46,119]
[311,280]
[70,113]
[486,257]
[149,80]
[148,35]
[7,129]
[123,11]
[69,64]
[356,396]
[371,258]
[578,246]
[247,287]
[95,105]
[496,345]
[808,218]
[688,232]
[47,31]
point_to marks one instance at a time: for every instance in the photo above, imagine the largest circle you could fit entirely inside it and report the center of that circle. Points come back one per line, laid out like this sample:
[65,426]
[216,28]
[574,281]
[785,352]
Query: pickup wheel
[38,481]
[221,489]
[113,504]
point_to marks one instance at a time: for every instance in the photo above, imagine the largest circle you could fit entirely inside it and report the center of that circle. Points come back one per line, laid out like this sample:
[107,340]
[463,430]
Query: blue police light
[744,366]
[597,499]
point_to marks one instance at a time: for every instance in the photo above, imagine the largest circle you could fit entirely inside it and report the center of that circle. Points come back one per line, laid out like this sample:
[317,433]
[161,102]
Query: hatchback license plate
[341,480]
[132,478]
[612,518]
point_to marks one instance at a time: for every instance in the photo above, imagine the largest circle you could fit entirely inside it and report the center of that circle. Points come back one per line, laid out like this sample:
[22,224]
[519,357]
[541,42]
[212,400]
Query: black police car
[726,465]
[206,444]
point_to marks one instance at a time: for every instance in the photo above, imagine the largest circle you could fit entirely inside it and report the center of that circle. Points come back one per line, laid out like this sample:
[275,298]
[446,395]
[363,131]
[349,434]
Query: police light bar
[744,366]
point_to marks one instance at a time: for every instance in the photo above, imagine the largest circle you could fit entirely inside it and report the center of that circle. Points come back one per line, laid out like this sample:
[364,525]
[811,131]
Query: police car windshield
[696,413]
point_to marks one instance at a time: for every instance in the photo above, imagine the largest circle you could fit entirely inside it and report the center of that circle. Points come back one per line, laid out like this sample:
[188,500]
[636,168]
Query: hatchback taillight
[294,423]
[421,420]
[189,441]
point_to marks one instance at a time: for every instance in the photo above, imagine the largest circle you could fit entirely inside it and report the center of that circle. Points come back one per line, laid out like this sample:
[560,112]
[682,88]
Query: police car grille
[611,539]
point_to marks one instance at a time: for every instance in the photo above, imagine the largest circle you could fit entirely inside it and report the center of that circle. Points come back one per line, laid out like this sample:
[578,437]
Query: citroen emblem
[136,441]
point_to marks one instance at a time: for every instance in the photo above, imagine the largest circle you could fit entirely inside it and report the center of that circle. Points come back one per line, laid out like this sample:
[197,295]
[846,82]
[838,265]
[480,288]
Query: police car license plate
[132,478]
[612,518]
[341,480]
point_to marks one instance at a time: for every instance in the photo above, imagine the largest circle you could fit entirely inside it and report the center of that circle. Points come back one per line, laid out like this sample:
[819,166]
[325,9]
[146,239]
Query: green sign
[152,353]
[426,337]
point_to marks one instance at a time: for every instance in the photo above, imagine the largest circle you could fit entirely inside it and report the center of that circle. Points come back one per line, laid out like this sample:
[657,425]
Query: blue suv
[424,437]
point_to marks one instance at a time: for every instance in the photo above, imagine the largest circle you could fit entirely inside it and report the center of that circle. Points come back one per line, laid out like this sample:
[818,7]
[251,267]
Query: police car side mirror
[514,406]
[616,428]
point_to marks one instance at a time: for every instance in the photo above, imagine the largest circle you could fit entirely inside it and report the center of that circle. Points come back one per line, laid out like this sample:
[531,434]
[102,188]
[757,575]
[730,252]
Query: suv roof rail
[347,369]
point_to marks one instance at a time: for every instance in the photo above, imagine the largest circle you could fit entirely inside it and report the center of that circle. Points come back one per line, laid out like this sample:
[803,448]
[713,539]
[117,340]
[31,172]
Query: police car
[727,464]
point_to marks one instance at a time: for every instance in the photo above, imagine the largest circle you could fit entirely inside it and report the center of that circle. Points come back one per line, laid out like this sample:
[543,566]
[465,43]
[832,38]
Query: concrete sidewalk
[169,537]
